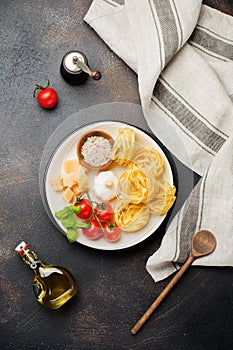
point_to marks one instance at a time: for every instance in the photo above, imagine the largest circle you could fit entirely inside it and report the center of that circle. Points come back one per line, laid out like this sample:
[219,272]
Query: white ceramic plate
[67,150]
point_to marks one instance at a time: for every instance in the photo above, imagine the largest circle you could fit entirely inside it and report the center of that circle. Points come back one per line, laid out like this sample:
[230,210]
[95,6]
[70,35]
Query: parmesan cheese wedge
[68,194]
[68,179]
[71,166]
[76,189]
[56,184]
[82,178]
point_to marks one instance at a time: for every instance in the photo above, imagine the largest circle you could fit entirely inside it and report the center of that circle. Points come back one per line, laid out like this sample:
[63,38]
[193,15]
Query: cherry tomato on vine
[86,208]
[112,232]
[47,96]
[104,211]
[94,231]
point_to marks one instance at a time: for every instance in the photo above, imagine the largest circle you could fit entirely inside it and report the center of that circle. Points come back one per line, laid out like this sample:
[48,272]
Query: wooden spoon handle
[157,301]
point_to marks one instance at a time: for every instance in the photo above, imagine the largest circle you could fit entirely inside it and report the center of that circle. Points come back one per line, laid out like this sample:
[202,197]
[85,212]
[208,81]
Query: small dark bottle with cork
[74,68]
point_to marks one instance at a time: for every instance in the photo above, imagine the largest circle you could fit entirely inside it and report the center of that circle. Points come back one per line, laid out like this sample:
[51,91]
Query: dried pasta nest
[131,217]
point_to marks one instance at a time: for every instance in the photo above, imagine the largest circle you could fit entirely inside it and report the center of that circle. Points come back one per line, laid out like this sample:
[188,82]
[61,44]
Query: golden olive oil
[53,285]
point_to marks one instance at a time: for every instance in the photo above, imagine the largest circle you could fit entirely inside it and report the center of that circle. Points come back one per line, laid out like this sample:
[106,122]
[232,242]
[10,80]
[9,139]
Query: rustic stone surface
[114,287]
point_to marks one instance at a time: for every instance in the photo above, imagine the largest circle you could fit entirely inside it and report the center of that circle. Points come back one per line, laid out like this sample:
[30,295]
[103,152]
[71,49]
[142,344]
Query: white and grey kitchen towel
[182,52]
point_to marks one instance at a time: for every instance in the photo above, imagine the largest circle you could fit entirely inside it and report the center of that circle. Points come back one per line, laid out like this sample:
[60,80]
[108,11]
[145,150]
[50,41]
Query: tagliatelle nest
[123,148]
[163,200]
[148,160]
[131,217]
[133,186]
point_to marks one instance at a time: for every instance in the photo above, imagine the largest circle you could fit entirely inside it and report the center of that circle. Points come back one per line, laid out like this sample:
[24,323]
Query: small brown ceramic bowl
[91,165]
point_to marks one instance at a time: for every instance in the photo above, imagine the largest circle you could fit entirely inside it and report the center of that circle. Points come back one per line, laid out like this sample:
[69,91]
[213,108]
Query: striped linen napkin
[182,52]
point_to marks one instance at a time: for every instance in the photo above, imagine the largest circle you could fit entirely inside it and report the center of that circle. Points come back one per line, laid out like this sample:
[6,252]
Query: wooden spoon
[203,243]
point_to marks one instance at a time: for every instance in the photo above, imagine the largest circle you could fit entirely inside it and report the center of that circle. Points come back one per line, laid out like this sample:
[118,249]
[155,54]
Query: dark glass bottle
[53,285]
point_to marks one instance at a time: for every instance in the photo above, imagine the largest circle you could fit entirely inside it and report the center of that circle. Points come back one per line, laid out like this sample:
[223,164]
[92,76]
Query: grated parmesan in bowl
[94,150]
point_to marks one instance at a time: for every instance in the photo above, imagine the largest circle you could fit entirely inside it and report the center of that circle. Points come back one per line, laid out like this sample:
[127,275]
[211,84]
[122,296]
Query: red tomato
[86,208]
[104,211]
[112,232]
[94,231]
[46,97]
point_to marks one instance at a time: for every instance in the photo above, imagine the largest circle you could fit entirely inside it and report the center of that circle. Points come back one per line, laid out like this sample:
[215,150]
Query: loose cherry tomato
[112,232]
[46,97]
[94,231]
[86,208]
[104,211]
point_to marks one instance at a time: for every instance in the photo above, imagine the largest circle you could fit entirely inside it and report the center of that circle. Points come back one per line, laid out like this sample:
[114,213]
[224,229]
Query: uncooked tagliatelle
[133,186]
[148,160]
[131,217]
[163,199]
[123,147]
[142,188]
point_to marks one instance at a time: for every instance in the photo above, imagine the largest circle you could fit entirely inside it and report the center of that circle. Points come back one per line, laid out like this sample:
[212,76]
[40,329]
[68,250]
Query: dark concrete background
[114,287]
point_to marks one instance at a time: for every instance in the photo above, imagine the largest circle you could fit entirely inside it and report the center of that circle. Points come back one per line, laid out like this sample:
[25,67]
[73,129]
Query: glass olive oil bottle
[53,285]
